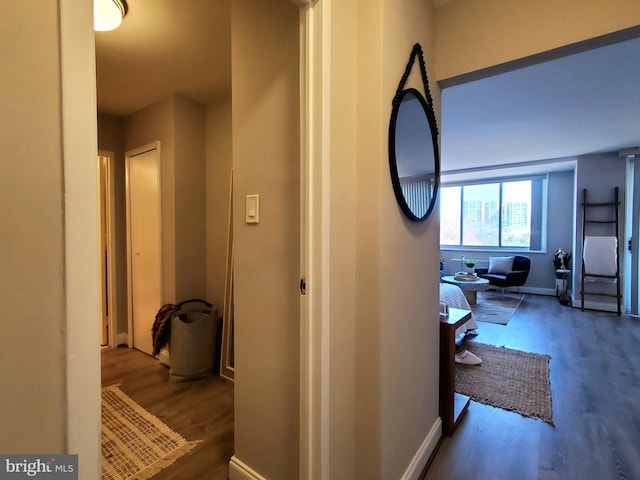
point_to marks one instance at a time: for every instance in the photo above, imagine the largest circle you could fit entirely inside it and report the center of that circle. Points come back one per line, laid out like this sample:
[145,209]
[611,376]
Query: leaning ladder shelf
[612,220]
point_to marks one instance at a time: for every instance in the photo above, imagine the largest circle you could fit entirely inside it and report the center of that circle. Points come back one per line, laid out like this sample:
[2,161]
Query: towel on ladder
[600,257]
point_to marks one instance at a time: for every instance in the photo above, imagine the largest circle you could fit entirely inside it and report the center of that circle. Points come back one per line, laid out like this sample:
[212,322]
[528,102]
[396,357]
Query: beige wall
[406,282]
[178,124]
[190,185]
[265,120]
[473,35]
[155,123]
[383,287]
[343,281]
[218,158]
[32,276]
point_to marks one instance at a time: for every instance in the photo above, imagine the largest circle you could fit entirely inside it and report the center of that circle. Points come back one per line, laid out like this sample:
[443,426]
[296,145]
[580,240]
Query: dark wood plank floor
[595,385]
[198,410]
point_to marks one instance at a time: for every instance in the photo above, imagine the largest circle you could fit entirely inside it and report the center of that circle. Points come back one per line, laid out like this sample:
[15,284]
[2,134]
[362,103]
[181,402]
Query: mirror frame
[427,106]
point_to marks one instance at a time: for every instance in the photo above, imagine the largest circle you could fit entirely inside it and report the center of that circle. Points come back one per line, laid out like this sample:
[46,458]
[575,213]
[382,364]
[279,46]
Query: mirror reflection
[414,155]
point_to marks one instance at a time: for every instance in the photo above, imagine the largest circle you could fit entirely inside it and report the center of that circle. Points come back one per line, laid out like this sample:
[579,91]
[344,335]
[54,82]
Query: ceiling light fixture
[108,14]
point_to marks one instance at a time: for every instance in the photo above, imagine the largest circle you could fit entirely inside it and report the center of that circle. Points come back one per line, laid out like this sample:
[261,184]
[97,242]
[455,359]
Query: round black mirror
[414,159]
[413,154]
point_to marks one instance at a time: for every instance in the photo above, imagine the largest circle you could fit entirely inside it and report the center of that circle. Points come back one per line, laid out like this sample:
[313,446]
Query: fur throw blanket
[161,330]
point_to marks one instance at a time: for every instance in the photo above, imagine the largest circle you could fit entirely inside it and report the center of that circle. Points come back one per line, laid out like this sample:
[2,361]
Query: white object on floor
[472,333]
[468,358]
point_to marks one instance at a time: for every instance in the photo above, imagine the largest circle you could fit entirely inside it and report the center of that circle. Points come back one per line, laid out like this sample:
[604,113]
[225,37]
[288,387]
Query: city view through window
[492,215]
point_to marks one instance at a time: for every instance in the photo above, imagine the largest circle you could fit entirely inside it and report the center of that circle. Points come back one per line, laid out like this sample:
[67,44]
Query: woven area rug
[492,308]
[508,379]
[135,444]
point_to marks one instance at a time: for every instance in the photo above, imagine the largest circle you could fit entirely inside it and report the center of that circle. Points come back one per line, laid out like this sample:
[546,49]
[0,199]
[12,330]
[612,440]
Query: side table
[562,276]
[452,405]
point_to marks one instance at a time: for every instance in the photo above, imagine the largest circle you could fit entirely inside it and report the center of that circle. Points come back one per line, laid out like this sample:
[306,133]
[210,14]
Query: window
[480,214]
[450,215]
[505,214]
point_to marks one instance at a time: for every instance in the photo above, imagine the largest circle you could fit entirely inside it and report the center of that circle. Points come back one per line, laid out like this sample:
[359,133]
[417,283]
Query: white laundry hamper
[193,340]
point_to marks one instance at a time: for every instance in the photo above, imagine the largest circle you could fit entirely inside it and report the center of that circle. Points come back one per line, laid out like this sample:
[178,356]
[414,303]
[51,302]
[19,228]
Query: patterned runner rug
[135,444]
[508,379]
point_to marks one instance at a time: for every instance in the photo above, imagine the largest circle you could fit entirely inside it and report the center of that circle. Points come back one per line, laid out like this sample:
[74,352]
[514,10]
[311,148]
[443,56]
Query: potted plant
[470,263]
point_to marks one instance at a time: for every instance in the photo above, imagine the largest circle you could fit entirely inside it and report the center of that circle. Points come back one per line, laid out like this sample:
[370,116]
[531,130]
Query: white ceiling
[164,47]
[584,103]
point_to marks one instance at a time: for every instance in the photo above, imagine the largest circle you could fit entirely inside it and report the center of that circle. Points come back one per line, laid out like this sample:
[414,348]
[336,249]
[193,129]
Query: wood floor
[595,385]
[198,410]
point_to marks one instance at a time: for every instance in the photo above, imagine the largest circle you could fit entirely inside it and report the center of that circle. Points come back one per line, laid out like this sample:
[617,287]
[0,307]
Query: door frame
[635,239]
[315,53]
[110,195]
[129,154]
[632,234]
[81,275]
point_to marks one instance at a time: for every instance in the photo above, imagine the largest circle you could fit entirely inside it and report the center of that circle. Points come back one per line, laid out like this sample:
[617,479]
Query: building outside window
[498,214]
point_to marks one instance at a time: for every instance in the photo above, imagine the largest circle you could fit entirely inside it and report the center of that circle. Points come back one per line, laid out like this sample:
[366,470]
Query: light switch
[252,208]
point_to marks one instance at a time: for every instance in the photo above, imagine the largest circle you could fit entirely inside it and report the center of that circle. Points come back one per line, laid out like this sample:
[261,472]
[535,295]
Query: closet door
[144,230]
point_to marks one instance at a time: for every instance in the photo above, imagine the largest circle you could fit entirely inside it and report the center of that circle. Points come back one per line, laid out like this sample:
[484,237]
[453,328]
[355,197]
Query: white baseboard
[533,290]
[122,339]
[240,471]
[421,457]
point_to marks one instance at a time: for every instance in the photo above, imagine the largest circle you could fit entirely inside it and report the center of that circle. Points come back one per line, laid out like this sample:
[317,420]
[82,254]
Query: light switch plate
[252,208]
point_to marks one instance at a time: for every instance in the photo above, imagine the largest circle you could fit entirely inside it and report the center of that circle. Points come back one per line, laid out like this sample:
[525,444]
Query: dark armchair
[500,277]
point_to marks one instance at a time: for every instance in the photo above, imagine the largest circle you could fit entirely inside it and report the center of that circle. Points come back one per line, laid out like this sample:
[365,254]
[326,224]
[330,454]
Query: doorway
[108,317]
[272,224]
[144,243]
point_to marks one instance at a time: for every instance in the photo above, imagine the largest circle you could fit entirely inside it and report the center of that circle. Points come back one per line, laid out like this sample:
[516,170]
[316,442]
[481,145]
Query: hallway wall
[266,161]
[218,171]
[32,271]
